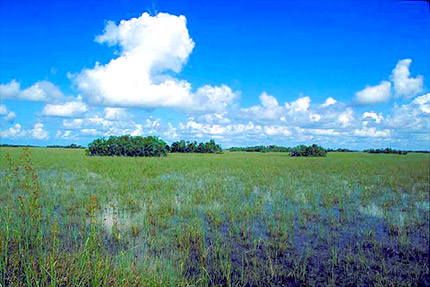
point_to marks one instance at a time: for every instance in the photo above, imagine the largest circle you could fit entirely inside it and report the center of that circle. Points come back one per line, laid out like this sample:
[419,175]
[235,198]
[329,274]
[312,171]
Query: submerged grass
[233,219]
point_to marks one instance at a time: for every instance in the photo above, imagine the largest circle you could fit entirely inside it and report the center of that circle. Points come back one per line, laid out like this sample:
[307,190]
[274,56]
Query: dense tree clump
[127,146]
[313,150]
[194,147]
[261,148]
[387,151]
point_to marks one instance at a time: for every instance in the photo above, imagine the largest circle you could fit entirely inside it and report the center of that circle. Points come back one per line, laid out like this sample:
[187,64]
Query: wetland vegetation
[231,219]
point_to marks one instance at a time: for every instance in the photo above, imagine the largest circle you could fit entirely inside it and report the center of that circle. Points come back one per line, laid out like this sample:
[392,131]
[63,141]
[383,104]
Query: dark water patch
[258,229]
[357,253]
[269,209]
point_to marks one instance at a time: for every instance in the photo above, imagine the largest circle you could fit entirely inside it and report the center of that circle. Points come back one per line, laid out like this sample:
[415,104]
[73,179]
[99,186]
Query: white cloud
[73,124]
[423,102]
[138,130]
[268,101]
[372,132]
[315,117]
[337,125]
[300,105]
[91,132]
[42,91]
[326,132]
[277,130]
[151,48]
[37,132]
[163,39]
[195,128]
[346,117]
[268,110]
[216,118]
[13,132]
[99,121]
[374,94]
[171,132]
[328,102]
[3,110]
[298,113]
[213,99]
[153,123]
[414,116]
[8,116]
[404,85]
[373,115]
[10,90]
[69,109]
[66,135]
[96,125]
[150,45]
[115,113]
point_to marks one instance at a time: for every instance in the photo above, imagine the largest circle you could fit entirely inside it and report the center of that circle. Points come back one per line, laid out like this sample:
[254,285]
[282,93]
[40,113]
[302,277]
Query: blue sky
[338,73]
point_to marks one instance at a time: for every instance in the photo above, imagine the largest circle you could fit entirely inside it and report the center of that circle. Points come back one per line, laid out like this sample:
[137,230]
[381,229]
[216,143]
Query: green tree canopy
[127,146]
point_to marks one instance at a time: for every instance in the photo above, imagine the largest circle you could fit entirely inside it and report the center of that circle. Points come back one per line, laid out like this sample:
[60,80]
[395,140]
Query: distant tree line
[65,146]
[261,148]
[312,151]
[194,147]
[127,146]
[339,150]
[301,150]
[17,145]
[154,146]
[387,151]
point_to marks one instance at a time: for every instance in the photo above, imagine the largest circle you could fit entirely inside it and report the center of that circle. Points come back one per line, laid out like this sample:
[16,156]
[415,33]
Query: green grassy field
[233,219]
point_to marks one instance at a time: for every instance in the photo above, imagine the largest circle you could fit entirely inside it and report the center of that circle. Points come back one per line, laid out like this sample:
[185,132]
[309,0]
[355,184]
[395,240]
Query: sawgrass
[229,219]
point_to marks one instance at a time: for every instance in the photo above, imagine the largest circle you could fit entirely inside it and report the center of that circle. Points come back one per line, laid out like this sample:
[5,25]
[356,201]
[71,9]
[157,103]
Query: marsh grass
[233,219]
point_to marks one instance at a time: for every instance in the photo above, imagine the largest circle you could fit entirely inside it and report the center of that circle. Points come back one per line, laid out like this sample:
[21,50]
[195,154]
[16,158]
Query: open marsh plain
[231,219]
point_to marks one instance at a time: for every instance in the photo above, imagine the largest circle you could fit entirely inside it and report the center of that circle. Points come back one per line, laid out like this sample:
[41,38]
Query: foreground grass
[232,219]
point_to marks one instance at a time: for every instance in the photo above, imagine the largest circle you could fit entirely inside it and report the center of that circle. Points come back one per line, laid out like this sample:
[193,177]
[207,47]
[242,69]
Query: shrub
[127,146]
[387,151]
[194,147]
[313,150]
